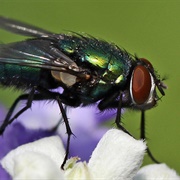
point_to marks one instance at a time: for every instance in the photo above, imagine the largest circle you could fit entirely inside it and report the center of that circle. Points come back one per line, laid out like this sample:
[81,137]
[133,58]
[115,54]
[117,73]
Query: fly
[88,69]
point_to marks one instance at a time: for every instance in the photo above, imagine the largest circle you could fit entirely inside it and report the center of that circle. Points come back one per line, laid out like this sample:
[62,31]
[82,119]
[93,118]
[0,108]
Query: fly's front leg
[112,102]
[118,115]
[143,136]
[8,120]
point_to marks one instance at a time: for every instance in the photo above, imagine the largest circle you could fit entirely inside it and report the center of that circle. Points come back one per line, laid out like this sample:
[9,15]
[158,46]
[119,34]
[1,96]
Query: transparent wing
[23,28]
[39,53]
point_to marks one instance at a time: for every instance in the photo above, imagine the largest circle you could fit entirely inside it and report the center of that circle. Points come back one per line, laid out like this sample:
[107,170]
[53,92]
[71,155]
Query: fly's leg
[59,122]
[61,99]
[44,94]
[69,131]
[7,120]
[29,98]
[112,102]
[143,136]
[118,115]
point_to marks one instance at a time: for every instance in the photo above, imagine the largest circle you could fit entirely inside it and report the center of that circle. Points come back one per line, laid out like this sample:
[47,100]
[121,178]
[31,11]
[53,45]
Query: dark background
[151,29]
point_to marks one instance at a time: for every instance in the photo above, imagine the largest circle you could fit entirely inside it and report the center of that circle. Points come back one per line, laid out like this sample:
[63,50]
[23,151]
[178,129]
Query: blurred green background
[151,29]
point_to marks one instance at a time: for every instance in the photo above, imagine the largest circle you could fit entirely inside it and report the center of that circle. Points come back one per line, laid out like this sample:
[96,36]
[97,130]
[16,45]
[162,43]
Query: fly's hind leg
[59,122]
[61,98]
[68,129]
[8,120]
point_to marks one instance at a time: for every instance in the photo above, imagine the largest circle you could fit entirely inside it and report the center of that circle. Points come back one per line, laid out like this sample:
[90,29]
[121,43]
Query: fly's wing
[22,28]
[39,53]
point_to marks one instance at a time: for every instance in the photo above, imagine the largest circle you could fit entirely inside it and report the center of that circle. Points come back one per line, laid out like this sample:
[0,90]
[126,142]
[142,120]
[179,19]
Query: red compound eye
[141,84]
[147,62]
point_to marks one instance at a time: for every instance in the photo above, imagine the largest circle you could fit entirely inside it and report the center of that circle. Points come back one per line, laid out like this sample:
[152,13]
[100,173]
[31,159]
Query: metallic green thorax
[110,63]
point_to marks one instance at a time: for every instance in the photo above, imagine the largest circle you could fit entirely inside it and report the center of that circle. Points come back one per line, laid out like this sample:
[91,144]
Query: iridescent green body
[108,65]
[24,76]
[21,75]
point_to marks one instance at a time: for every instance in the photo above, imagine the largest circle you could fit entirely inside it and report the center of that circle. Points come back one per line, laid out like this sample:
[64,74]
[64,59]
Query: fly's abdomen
[22,77]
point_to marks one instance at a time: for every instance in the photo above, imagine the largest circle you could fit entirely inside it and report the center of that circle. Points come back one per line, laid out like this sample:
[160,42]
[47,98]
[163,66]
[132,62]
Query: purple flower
[3,112]
[15,136]
[86,124]
[37,122]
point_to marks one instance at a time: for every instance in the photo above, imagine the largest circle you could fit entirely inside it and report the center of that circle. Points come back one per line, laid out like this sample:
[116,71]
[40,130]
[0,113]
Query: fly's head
[143,85]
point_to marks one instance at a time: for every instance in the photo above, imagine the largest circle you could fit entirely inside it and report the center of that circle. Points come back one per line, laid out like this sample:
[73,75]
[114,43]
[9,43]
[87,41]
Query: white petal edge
[117,156]
[49,146]
[156,172]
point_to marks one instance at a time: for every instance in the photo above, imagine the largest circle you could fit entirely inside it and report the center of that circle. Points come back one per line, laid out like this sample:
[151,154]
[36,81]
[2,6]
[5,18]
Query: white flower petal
[32,165]
[156,172]
[50,146]
[117,156]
